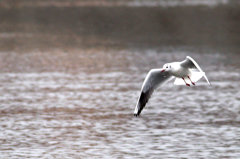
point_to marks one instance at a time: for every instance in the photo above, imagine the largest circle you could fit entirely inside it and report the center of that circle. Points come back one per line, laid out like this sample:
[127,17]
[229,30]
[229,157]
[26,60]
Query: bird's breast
[180,72]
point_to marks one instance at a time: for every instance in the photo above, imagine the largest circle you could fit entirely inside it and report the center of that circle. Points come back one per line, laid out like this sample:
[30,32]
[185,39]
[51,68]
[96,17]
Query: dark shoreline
[123,27]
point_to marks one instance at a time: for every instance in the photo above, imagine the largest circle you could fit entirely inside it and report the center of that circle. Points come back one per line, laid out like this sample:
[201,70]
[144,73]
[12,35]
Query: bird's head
[167,67]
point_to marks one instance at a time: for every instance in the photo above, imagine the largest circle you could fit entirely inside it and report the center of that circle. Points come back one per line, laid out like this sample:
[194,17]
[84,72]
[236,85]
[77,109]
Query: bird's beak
[163,70]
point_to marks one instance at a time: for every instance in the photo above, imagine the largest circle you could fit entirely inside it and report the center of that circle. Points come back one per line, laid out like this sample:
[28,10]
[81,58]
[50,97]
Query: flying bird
[187,72]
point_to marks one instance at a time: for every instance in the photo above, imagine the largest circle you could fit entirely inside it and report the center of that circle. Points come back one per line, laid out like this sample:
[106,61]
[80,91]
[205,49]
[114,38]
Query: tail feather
[195,76]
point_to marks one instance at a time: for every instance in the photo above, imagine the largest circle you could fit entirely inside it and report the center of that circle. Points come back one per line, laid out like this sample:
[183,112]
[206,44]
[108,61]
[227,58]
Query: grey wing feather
[188,63]
[154,78]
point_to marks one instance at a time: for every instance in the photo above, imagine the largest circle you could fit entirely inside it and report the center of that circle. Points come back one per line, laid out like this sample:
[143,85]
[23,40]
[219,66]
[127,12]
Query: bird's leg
[186,82]
[191,80]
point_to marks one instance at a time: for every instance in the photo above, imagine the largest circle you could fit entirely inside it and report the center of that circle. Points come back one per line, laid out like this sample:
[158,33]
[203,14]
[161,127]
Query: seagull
[186,72]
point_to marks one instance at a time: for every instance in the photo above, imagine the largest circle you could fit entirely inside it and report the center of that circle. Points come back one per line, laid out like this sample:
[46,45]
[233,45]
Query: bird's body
[186,72]
[178,71]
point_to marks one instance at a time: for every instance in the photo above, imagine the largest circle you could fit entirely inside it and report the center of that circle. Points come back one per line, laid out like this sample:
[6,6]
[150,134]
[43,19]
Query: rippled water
[80,105]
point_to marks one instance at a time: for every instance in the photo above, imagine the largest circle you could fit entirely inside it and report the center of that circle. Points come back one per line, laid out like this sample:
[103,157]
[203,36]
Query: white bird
[186,72]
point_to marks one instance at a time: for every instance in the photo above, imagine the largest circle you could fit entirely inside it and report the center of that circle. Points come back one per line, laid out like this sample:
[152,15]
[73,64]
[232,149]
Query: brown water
[79,104]
[71,72]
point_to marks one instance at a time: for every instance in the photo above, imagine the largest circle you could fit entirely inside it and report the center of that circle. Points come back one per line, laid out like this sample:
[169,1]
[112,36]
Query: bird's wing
[192,64]
[154,78]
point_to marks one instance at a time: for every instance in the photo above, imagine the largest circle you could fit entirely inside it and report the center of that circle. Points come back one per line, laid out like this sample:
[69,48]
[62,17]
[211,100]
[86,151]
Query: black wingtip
[136,115]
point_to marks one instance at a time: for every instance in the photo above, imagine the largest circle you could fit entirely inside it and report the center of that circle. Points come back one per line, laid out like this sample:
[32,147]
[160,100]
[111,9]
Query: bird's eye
[167,66]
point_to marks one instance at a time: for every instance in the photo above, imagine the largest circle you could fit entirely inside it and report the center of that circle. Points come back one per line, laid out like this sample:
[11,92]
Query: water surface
[79,104]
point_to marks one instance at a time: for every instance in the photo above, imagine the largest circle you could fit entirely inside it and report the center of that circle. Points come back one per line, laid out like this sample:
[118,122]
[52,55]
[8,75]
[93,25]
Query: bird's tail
[195,76]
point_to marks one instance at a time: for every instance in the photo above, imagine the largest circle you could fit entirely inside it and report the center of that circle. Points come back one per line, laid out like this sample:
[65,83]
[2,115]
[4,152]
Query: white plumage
[186,72]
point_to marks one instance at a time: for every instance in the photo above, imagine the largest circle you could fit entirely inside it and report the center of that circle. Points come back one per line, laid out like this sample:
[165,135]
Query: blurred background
[71,72]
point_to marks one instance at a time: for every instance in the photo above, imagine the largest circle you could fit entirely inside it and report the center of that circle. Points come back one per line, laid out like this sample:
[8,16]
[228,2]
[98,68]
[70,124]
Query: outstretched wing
[192,64]
[154,78]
